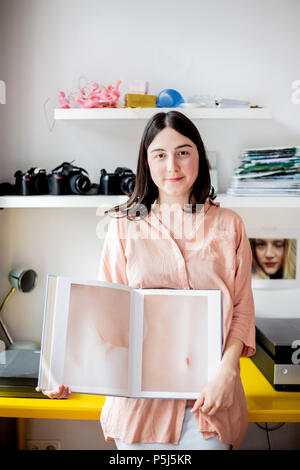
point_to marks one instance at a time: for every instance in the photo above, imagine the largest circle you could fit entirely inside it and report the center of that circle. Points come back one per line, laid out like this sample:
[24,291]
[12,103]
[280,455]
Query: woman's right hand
[61,392]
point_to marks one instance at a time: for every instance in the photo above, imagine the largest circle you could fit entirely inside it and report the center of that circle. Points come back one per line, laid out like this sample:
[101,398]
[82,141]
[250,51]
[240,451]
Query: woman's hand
[61,392]
[218,393]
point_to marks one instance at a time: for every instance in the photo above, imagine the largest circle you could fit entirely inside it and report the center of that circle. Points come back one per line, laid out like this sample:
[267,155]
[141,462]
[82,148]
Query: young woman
[148,246]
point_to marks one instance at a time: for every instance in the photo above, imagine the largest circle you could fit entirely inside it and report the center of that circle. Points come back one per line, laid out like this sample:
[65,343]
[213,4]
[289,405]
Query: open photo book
[110,339]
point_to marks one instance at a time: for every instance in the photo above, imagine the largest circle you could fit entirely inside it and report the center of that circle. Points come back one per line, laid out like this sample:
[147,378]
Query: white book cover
[110,339]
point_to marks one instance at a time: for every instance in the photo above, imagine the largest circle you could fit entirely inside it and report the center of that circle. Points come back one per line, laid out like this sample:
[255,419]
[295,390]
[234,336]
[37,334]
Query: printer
[19,369]
[278,352]
[19,373]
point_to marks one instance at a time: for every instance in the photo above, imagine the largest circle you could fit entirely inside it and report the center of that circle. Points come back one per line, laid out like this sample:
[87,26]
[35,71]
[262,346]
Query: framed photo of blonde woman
[275,258]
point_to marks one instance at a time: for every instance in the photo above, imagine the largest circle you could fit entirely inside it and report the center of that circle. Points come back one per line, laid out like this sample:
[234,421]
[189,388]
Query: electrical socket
[43,445]
[50,445]
[33,445]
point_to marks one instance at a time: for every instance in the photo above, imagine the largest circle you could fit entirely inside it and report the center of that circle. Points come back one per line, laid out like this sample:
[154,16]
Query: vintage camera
[122,181]
[33,182]
[68,179]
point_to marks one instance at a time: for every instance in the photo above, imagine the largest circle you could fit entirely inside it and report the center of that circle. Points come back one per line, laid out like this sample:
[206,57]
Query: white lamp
[24,280]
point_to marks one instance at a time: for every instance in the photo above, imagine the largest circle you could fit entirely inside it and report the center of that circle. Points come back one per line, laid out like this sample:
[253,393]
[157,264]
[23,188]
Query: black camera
[122,181]
[34,181]
[7,189]
[68,179]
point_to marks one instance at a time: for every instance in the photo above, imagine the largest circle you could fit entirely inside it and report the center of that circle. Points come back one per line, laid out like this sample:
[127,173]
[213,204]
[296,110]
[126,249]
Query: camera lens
[79,184]
[127,184]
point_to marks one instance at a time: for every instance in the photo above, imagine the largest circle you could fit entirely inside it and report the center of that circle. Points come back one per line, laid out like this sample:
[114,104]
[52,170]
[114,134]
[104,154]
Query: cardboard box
[133,100]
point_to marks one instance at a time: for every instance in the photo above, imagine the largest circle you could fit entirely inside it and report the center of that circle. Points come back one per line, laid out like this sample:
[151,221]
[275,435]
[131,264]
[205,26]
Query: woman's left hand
[218,393]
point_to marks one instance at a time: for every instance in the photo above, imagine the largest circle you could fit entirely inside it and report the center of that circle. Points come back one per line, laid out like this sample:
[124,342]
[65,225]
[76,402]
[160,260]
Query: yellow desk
[76,407]
[264,403]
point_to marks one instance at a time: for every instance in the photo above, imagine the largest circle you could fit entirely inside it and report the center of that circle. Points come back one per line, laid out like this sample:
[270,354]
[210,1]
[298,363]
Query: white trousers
[190,439]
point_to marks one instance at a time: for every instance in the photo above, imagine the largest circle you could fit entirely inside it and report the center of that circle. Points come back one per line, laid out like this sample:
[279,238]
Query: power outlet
[50,445]
[33,445]
[43,445]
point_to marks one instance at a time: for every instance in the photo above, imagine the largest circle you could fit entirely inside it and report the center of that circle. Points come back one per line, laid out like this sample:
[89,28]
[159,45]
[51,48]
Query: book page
[136,342]
[175,352]
[45,379]
[96,358]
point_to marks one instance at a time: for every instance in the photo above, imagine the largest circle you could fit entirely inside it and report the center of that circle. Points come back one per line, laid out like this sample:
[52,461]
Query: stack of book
[272,171]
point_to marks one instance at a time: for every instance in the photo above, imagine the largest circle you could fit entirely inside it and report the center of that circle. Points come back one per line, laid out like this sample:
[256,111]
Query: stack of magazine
[270,171]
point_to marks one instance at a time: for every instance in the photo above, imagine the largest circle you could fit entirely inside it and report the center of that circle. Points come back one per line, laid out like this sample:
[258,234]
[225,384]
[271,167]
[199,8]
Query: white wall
[234,49]
[239,49]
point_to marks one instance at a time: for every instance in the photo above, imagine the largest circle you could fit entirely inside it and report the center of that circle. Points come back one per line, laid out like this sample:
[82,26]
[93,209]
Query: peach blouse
[216,254]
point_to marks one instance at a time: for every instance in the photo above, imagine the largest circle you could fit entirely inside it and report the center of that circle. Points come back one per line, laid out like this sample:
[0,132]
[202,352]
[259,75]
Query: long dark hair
[145,191]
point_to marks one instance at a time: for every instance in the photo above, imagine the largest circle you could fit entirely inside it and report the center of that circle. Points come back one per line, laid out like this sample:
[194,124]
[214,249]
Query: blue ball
[169,98]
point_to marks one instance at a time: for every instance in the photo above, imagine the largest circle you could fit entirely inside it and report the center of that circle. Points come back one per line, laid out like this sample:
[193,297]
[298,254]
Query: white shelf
[258,201]
[146,113]
[50,201]
[104,202]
